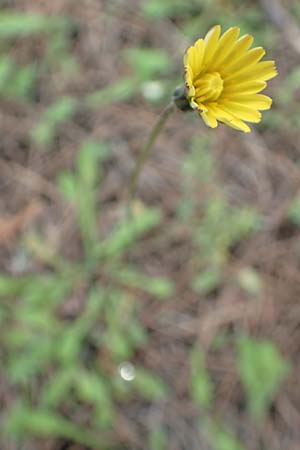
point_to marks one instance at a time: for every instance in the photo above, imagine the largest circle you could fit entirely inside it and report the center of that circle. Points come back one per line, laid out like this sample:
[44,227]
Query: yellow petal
[255,101]
[246,60]
[209,119]
[246,87]
[226,43]
[225,46]
[191,92]
[200,106]
[188,76]
[193,103]
[239,48]
[228,119]
[241,111]
[218,112]
[237,124]
[261,71]
[190,59]
[211,43]
[199,45]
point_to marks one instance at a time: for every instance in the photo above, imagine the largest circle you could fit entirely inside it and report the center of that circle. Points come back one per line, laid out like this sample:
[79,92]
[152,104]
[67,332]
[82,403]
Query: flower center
[209,87]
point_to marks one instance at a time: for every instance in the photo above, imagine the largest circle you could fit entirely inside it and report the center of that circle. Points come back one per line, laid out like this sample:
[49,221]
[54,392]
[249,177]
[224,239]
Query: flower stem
[143,156]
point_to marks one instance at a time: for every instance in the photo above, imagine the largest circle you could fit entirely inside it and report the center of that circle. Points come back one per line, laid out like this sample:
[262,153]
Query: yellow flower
[223,78]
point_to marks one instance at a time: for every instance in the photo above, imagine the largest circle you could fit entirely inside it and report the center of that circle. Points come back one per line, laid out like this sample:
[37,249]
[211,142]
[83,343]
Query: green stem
[143,156]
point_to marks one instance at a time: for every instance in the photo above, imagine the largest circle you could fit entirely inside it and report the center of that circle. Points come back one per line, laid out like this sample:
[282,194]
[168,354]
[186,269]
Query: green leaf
[88,178]
[149,385]
[91,153]
[60,111]
[222,439]
[148,62]
[158,286]
[157,439]
[7,66]
[58,388]
[156,9]
[118,344]
[91,387]
[207,281]
[293,213]
[24,421]
[67,184]
[201,386]
[47,292]
[16,24]
[104,416]
[69,344]
[127,233]
[16,81]
[222,227]
[30,360]
[117,92]
[94,389]
[14,285]
[23,82]
[261,369]
[96,301]
[137,334]
[200,162]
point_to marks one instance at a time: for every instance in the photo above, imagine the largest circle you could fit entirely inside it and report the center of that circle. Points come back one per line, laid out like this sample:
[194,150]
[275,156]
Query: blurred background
[177,328]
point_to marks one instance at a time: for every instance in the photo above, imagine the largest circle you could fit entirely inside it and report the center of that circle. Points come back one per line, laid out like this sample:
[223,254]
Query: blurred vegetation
[55,365]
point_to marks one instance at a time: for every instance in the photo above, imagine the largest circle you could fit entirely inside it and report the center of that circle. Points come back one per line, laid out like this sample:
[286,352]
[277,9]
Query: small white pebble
[127,371]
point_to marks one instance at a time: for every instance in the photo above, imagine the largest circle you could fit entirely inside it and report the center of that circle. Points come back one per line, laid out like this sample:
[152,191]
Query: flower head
[223,78]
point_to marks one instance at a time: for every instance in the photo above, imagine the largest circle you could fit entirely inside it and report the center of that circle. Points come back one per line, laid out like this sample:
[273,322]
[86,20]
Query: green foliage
[19,81]
[149,385]
[66,330]
[126,233]
[293,213]
[262,369]
[155,9]
[16,81]
[58,388]
[157,286]
[67,353]
[252,21]
[201,385]
[43,423]
[95,390]
[216,225]
[222,439]
[222,227]
[295,9]
[198,169]
[291,83]
[286,99]
[59,112]
[16,24]
[207,281]
[157,439]
[80,189]
[200,162]
[119,91]
[147,62]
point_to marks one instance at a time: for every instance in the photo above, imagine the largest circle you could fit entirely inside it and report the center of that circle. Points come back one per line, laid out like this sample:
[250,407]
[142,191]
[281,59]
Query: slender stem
[143,156]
